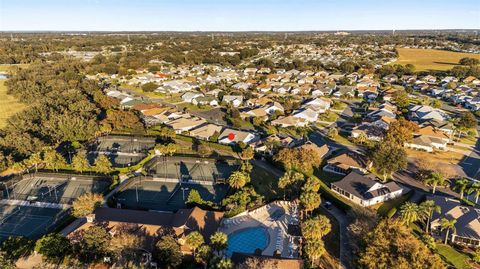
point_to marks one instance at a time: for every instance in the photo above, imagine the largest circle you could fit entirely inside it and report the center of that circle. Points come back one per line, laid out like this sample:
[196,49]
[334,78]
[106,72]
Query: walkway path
[345,249]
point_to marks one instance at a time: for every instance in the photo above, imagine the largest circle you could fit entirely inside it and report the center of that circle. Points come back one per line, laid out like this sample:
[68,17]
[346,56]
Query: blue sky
[233,15]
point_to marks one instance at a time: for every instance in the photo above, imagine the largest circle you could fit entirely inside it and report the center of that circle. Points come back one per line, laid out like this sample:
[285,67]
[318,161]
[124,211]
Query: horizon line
[236,31]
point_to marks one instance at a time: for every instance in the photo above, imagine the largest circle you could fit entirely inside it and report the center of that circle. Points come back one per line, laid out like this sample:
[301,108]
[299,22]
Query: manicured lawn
[458,259]
[193,107]
[9,105]
[329,116]
[326,176]
[431,59]
[342,139]
[453,257]
[384,208]
[265,183]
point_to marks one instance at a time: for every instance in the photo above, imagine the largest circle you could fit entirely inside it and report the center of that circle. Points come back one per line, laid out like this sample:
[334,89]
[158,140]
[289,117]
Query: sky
[236,15]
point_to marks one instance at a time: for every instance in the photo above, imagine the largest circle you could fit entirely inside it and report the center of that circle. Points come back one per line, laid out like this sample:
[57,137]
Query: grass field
[9,105]
[431,59]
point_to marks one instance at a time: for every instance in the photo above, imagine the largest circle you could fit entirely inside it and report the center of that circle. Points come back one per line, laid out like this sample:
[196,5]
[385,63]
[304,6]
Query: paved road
[471,163]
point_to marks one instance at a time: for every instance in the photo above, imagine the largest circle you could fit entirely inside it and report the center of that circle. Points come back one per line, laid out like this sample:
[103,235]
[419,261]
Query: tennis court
[165,195]
[190,169]
[122,150]
[54,188]
[28,221]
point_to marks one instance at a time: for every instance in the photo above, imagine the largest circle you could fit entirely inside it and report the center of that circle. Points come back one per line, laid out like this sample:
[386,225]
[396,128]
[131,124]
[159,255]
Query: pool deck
[277,229]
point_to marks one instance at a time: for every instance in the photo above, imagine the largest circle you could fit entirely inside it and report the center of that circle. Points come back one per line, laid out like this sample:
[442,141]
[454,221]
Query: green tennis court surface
[28,221]
[149,194]
[53,188]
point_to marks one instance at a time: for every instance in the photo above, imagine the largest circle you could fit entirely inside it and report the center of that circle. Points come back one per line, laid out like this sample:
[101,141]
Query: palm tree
[475,187]
[194,240]
[204,254]
[237,179]
[219,241]
[461,185]
[448,225]
[409,213]
[314,248]
[310,201]
[426,210]
[435,179]
[316,227]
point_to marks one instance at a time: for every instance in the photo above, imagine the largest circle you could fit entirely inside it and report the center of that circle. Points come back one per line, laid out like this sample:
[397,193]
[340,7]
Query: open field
[9,105]
[431,59]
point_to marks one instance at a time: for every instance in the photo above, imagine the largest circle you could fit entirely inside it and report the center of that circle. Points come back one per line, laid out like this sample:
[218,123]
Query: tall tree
[409,213]
[86,204]
[80,162]
[53,247]
[447,225]
[204,254]
[168,252]
[461,185]
[310,201]
[218,242]
[314,249]
[388,158]
[238,179]
[435,179]
[194,240]
[426,210]
[103,164]
[392,245]
[54,160]
[474,188]
[316,227]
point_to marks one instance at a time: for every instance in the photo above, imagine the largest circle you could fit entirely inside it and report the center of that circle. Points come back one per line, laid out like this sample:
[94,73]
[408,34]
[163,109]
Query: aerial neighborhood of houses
[264,159]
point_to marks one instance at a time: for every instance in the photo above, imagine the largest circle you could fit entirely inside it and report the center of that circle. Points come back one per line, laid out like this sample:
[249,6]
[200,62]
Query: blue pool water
[247,240]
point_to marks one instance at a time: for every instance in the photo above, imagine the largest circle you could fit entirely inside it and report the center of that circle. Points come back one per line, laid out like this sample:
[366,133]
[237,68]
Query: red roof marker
[231,136]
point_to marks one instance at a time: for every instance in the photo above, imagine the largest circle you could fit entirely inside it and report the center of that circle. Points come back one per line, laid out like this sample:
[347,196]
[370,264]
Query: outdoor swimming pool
[247,240]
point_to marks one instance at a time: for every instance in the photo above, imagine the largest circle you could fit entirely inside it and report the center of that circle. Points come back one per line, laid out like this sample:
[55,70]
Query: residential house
[346,162]
[467,225]
[207,100]
[290,121]
[206,131]
[185,124]
[190,96]
[231,136]
[322,151]
[421,113]
[320,105]
[344,91]
[235,100]
[370,131]
[308,114]
[366,190]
